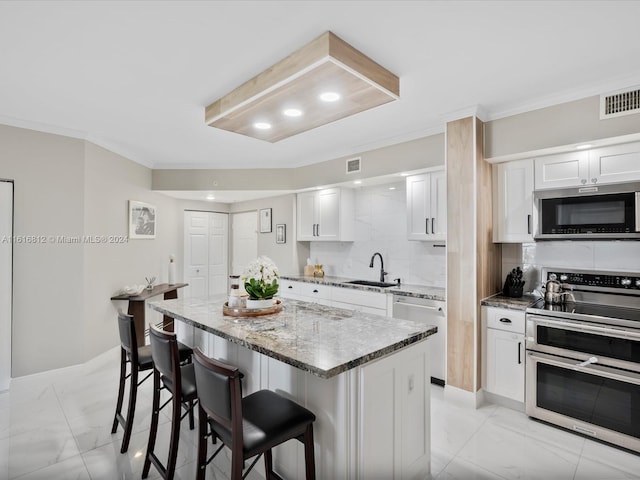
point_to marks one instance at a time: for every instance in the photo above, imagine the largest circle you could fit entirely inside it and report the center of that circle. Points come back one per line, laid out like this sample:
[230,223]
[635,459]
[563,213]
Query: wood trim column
[473,261]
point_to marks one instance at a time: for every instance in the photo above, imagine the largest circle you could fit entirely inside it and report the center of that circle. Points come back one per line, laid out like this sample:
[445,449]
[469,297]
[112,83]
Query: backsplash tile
[381,226]
[623,256]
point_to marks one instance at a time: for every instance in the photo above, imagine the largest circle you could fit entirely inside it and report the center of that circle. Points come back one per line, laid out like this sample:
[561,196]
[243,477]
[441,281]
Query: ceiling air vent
[622,102]
[353,165]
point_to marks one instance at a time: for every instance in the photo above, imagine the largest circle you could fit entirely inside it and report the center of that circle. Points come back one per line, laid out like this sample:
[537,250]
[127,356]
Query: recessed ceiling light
[357,182]
[329,97]
[262,125]
[583,147]
[404,174]
[392,188]
[210,197]
[292,112]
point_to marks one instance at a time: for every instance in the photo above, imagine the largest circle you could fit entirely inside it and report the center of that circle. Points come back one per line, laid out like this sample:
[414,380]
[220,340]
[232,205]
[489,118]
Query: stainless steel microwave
[590,212]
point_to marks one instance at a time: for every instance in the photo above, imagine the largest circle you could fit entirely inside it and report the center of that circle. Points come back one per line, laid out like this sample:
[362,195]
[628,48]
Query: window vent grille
[353,165]
[616,104]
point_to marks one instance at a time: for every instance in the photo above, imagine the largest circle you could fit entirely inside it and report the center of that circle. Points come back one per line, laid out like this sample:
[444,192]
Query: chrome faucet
[382,272]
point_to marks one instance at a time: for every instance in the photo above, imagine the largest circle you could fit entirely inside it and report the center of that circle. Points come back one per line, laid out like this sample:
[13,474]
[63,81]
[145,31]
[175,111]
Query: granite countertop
[325,341]
[418,291]
[501,301]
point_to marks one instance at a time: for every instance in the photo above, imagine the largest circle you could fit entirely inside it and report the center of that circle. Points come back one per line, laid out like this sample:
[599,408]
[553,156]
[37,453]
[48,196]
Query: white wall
[381,226]
[620,256]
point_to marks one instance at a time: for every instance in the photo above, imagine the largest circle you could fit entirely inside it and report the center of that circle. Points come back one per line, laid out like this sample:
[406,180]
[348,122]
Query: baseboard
[463,397]
[503,401]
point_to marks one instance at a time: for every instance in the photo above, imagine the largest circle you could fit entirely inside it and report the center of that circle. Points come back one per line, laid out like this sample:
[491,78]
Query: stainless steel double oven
[583,357]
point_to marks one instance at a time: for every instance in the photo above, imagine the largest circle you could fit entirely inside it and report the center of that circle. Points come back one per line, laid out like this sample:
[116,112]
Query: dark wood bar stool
[249,426]
[179,380]
[140,360]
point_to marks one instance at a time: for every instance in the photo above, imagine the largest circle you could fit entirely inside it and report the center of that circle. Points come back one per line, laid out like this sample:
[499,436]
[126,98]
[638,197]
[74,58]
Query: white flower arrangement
[261,278]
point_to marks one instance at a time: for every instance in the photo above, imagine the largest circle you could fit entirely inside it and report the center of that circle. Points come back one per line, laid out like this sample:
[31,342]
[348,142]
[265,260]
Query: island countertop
[325,341]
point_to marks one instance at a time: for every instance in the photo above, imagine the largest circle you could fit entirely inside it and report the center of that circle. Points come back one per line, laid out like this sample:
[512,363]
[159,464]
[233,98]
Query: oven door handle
[598,370]
[609,332]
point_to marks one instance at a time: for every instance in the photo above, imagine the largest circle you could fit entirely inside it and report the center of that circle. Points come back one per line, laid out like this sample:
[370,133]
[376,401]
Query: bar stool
[140,360]
[249,426]
[178,380]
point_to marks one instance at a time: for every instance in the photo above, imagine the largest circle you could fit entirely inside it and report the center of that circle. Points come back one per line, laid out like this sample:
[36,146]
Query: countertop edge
[325,374]
[500,301]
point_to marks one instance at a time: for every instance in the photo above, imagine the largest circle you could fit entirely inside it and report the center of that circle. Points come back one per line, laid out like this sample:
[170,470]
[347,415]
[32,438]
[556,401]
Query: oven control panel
[618,281]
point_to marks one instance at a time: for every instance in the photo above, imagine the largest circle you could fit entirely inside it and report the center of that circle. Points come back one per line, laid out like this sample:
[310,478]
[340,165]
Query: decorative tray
[251,312]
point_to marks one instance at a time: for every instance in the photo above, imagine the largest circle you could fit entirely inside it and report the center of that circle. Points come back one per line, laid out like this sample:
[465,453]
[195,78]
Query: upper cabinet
[427,206]
[613,164]
[326,215]
[513,197]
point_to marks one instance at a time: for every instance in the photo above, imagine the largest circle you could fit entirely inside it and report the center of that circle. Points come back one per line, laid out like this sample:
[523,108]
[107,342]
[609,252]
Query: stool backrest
[127,329]
[219,392]
[164,351]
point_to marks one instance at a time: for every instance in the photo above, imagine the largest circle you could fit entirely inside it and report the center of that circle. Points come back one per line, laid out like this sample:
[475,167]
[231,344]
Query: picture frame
[265,220]
[281,233]
[142,220]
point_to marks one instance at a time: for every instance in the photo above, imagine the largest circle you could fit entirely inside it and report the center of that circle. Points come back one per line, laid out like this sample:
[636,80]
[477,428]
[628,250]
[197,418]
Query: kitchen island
[366,378]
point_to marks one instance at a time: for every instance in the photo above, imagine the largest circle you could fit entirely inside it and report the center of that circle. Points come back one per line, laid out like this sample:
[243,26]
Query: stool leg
[175,436]
[133,394]
[202,444]
[268,464]
[191,420]
[309,454]
[123,374]
[153,430]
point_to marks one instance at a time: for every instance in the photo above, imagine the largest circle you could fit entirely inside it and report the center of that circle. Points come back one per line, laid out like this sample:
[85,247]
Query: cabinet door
[306,205]
[514,202]
[563,170]
[328,215]
[619,163]
[505,364]
[438,207]
[418,203]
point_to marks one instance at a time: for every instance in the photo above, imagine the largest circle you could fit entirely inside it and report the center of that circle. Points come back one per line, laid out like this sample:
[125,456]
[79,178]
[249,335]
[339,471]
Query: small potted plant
[261,282]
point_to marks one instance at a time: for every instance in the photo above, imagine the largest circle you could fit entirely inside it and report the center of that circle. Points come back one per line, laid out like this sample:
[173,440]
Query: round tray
[250,312]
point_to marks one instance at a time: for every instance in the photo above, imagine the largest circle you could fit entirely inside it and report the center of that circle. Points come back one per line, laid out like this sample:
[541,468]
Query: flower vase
[260,303]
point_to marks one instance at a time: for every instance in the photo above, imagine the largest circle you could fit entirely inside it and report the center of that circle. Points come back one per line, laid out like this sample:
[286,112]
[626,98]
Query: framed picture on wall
[281,233]
[265,220]
[142,220]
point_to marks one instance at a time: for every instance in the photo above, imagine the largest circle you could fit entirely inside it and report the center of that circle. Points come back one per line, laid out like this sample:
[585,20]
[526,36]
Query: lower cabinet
[504,349]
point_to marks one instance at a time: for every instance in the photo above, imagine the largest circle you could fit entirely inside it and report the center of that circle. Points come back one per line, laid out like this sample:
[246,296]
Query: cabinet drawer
[309,292]
[505,319]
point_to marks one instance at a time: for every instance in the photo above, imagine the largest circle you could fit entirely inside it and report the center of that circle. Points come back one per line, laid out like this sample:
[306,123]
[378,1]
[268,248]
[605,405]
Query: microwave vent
[353,165]
[616,104]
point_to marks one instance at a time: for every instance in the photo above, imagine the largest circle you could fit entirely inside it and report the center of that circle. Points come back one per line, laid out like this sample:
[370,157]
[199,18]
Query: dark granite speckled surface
[511,303]
[419,291]
[325,341]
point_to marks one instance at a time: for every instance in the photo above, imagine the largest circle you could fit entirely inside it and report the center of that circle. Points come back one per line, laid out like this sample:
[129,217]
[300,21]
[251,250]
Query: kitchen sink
[369,283]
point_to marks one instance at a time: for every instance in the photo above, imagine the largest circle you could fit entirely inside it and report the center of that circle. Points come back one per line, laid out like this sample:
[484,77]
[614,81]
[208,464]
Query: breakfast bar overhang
[366,378]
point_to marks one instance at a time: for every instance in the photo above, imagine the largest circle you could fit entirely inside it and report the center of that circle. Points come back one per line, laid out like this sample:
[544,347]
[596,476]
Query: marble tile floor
[56,426]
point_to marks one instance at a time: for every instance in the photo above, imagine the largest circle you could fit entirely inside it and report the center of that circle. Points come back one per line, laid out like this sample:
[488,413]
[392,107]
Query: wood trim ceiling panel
[326,64]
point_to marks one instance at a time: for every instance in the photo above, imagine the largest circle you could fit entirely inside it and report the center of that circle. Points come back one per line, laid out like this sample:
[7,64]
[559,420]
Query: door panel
[6,255]
[244,240]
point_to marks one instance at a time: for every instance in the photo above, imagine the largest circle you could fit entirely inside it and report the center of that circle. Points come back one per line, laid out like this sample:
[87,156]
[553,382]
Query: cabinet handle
[317,229]
[519,348]
[529,224]
[594,180]
[315,291]
[290,286]
[426,226]
[433,224]
[583,181]
[505,320]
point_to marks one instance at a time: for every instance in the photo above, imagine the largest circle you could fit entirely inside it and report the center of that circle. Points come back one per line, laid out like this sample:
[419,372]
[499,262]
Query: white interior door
[218,253]
[244,240]
[206,253]
[6,261]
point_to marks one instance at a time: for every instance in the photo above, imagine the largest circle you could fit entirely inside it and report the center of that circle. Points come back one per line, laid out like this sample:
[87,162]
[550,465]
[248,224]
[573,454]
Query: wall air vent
[622,102]
[353,165]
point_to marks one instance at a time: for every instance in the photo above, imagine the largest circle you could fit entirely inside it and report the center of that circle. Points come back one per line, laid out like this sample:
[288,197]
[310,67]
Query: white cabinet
[613,164]
[513,197]
[305,291]
[349,298]
[427,206]
[326,215]
[504,352]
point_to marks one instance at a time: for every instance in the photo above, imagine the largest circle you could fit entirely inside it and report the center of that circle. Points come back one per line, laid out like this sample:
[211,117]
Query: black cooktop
[584,310]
